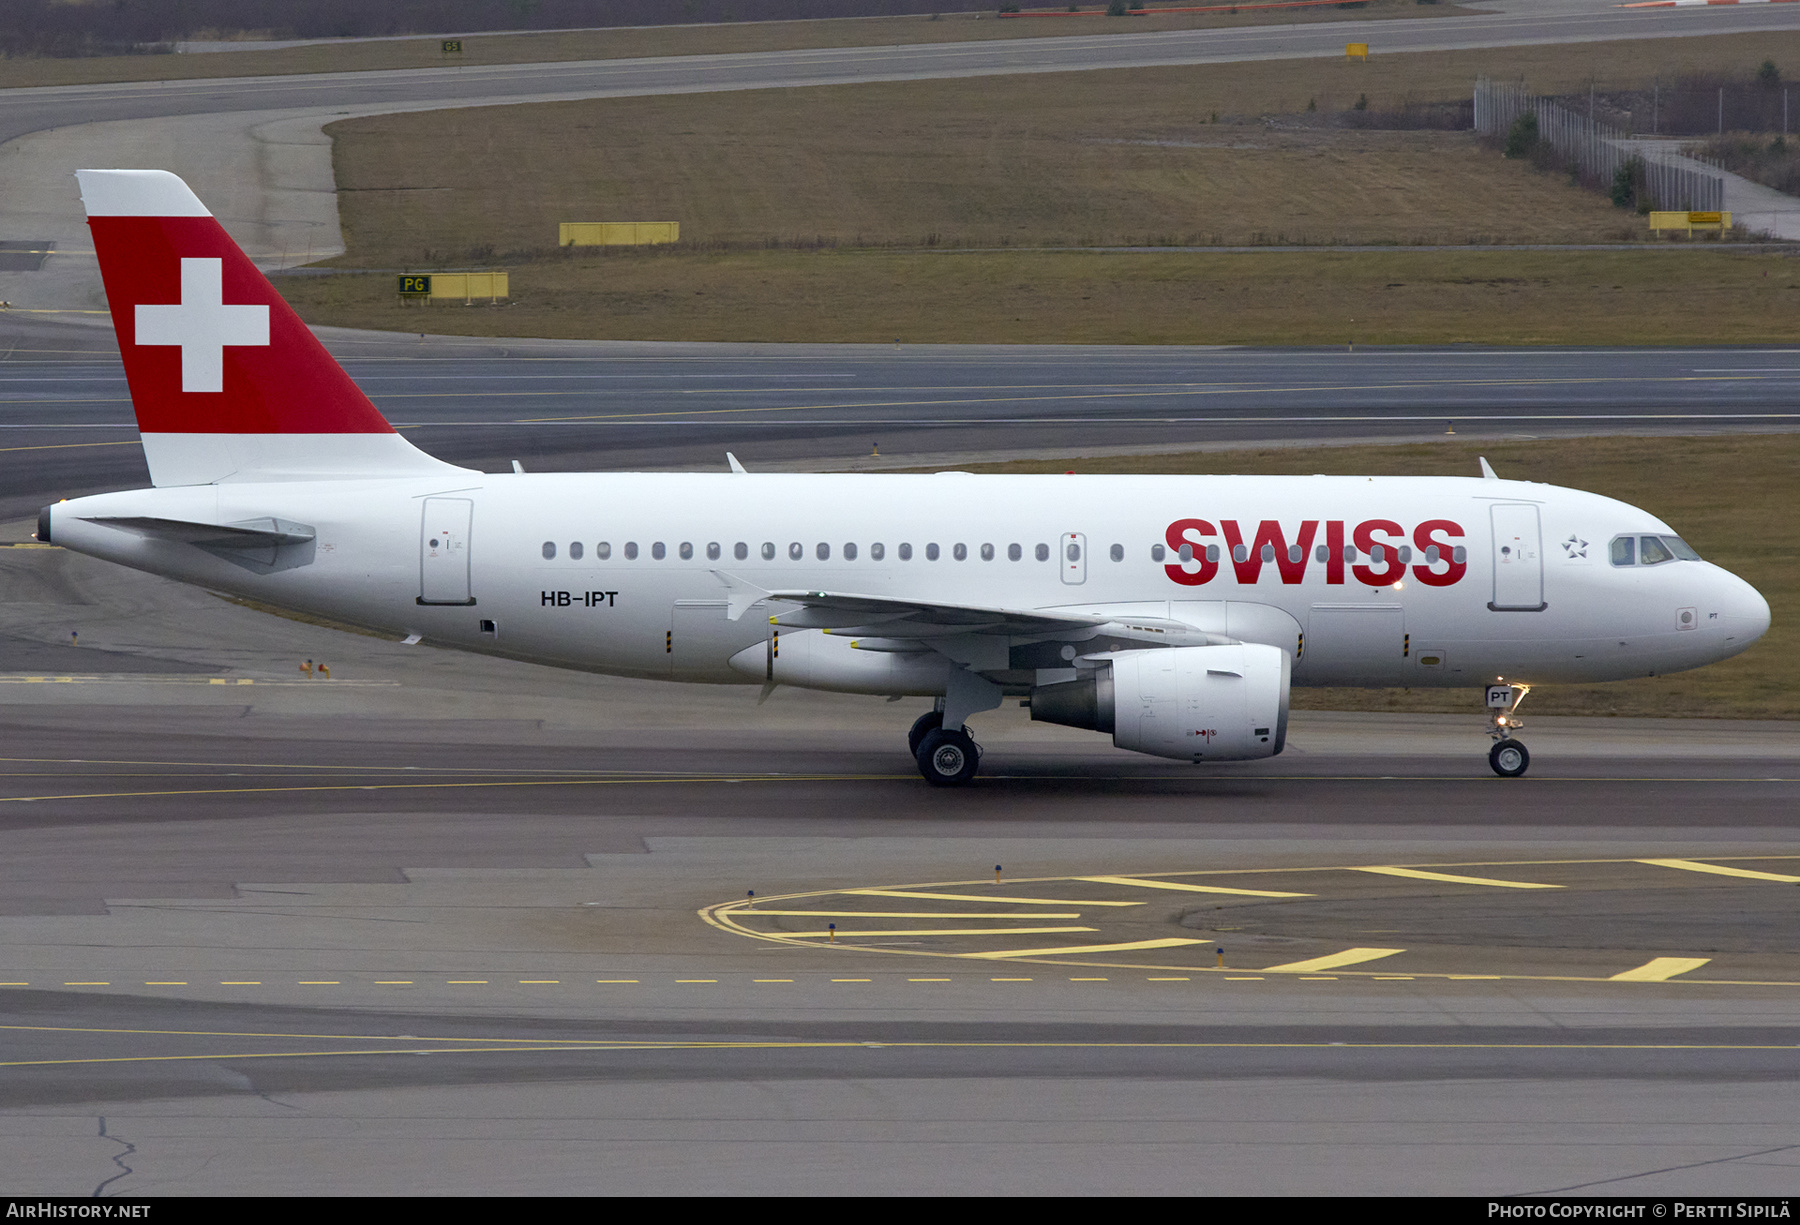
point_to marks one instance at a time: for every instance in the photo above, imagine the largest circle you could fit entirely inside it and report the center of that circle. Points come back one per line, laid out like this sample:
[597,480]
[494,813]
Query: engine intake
[1212,703]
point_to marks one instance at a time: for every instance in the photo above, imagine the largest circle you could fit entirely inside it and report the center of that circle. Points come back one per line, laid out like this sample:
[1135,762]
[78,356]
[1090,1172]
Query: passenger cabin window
[796,551]
[878,551]
[574,550]
[931,552]
[768,550]
[658,551]
[823,551]
[631,550]
[712,551]
[1043,552]
[987,552]
[960,552]
[603,550]
[549,549]
[1014,552]
[740,550]
[1118,552]
[1157,552]
[849,552]
[905,552]
[686,551]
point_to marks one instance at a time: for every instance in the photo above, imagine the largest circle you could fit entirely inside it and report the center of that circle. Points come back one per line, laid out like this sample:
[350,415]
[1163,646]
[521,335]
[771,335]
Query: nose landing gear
[1508,757]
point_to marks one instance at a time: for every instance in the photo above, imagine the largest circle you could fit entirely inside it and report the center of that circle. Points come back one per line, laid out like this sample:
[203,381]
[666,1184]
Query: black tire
[948,759]
[1509,758]
[930,721]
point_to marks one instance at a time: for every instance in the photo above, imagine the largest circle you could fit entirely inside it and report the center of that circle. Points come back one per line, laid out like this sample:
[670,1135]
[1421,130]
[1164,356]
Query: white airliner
[1171,612]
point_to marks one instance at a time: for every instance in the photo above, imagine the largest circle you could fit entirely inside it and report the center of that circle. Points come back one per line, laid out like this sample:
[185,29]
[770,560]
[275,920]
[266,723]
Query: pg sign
[413,285]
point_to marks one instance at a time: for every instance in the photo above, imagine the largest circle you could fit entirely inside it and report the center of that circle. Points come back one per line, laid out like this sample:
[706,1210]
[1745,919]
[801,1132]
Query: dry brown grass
[634,43]
[1629,296]
[1731,497]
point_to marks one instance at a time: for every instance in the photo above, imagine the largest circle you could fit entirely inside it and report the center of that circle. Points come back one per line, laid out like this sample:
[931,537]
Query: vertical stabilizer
[227,382]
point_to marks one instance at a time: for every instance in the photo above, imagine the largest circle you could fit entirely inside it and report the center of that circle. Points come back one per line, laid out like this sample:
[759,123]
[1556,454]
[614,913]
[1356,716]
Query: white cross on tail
[202,325]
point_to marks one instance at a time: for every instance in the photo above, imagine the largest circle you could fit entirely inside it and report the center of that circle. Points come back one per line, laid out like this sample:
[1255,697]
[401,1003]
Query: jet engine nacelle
[1212,703]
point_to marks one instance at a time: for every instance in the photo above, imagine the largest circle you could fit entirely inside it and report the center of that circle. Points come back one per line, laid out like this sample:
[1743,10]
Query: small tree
[1522,137]
[1768,74]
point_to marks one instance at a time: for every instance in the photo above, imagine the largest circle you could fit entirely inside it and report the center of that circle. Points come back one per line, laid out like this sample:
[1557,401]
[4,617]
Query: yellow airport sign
[617,233]
[1356,51]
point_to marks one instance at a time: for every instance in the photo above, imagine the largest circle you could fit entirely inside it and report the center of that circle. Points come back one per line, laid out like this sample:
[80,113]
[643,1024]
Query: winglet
[733,461]
[1487,469]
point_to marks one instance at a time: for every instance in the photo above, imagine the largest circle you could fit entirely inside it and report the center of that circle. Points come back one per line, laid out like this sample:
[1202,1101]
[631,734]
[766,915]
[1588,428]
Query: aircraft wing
[846,612]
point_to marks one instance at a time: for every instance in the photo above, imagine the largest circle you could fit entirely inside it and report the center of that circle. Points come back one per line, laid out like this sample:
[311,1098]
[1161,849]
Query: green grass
[1731,497]
[1642,296]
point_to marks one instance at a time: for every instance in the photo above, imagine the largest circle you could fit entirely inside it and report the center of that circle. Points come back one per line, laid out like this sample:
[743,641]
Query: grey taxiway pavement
[66,426]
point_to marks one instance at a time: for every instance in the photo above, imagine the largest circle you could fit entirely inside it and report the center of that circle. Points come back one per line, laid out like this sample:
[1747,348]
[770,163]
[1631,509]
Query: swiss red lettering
[1392,568]
[1189,532]
[1334,552]
[1425,536]
[1269,535]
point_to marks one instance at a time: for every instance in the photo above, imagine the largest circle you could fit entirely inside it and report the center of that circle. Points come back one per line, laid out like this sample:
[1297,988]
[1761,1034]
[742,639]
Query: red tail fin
[227,382]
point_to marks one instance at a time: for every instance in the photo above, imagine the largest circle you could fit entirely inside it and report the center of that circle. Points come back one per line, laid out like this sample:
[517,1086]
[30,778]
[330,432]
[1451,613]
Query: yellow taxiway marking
[696,980]
[467,982]
[539,982]
[393,982]
[1450,879]
[1170,978]
[1088,980]
[941,931]
[87,984]
[1332,961]
[318,982]
[1243,978]
[240,982]
[1317,978]
[927,980]
[973,897]
[852,980]
[615,980]
[1392,978]
[908,914]
[1143,883]
[165,982]
[1166,943]
[1660,969]
[771,980]
[1692,865]
[1009,980]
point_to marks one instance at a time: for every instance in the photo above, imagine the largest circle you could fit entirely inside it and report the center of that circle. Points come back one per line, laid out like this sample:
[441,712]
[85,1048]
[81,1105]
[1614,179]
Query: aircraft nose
[1743,613]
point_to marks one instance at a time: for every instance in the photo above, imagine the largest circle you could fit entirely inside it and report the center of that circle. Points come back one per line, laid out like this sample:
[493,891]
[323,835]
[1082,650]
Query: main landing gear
[1508,757]
[947,758]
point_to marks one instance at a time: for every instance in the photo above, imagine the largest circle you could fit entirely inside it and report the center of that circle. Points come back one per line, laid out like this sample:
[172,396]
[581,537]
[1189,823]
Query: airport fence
[1596,152]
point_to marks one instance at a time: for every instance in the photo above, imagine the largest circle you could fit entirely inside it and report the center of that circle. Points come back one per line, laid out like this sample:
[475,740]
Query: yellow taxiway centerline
[1167,943]
[1660,969]
[940,931]
[1332,961]
[1692,865]
[990,898]
[1164,884]
[1451,879]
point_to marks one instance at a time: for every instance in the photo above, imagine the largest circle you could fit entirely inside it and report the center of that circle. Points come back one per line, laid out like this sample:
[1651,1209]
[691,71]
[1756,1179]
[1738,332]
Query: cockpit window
[1650,550]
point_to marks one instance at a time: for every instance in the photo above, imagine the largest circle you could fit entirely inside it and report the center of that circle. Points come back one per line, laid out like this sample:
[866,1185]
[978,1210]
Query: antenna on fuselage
[1487,469]
[733,461]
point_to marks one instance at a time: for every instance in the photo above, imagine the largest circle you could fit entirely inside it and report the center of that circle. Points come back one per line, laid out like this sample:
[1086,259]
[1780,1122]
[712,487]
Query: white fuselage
[485,562]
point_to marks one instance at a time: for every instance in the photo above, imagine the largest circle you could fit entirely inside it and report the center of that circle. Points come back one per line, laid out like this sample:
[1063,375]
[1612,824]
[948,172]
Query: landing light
[1398,586]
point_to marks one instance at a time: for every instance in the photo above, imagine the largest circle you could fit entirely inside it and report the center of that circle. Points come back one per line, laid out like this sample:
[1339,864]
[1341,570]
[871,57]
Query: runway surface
[448,924]
[66,426]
